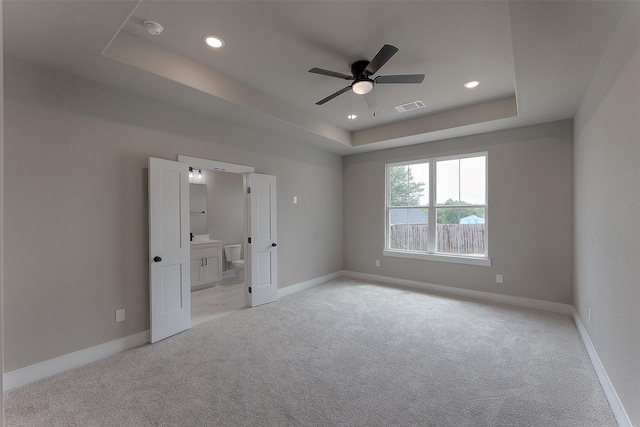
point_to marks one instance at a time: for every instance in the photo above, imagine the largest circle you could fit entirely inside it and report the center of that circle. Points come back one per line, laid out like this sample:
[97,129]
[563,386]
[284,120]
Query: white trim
[199,163]
[484,262]
[432,207]
[292,289]
[616,405]
[50,367]
[554,307]
[45,369]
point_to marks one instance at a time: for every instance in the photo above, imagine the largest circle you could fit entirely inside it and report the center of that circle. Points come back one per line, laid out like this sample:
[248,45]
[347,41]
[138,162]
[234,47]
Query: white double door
[169,245]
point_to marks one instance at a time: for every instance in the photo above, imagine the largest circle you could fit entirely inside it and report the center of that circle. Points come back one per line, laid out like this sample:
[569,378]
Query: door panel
[170,210]
[263,251]
[171,288]
[196,270]
[169,262]
[212,269]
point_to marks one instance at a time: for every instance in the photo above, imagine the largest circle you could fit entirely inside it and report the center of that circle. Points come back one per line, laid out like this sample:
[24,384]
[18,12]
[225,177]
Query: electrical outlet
[377,263]
[120,315]
[498,278]
[589,314]
[295,200]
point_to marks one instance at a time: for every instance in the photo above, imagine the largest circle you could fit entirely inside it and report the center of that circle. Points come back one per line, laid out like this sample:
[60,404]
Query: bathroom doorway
[217,217]
[170,247]
[249,211]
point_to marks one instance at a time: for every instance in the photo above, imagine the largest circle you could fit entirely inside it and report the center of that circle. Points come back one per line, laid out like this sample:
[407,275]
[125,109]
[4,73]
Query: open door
[169,282]
[263,237]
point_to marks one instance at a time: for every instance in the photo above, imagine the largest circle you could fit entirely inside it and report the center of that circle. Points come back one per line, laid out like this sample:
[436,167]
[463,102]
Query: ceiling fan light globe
[362,87]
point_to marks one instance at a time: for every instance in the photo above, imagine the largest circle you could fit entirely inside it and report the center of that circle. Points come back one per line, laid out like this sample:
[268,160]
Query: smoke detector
[153,27]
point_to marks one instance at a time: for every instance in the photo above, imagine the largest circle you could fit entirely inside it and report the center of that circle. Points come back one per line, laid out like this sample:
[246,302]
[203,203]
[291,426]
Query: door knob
[274,245]
[157,259]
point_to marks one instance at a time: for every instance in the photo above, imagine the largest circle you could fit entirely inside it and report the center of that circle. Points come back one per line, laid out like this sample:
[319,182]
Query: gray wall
[76,242]
[607,209]
[530,214]
[226,201]
[1,209]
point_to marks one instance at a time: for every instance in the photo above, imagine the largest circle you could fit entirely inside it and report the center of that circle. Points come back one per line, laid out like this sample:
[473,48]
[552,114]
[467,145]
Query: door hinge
[249,239]
[248,190]
[249,289]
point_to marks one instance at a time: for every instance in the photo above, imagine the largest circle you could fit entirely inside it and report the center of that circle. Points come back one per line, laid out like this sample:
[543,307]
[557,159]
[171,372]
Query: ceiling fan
[363,70]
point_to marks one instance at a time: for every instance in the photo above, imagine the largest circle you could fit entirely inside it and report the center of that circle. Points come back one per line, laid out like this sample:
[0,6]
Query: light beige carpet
[346,353]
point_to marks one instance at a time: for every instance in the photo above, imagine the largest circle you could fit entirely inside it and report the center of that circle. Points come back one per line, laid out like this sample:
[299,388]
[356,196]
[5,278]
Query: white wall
[607,209]
[530,213]
[76,241]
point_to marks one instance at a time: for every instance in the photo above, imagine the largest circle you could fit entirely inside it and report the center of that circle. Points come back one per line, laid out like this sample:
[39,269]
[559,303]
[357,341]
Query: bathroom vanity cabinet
[206,262]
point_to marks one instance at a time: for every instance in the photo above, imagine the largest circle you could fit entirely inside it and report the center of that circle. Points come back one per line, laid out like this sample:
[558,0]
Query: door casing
[214,165]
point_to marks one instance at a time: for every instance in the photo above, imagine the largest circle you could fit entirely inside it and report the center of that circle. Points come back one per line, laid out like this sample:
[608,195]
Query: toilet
[232,255]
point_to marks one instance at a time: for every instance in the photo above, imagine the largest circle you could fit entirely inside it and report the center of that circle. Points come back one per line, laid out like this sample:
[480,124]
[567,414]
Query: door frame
[218,166]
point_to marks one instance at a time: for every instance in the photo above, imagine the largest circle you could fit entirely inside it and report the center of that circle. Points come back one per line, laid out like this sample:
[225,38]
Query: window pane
[472,181]
[460,231]
[409,185]
[408,229]
[461,202]
[448,182]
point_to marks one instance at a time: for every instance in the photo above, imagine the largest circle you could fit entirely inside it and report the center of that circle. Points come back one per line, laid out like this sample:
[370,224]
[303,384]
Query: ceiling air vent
[414,105]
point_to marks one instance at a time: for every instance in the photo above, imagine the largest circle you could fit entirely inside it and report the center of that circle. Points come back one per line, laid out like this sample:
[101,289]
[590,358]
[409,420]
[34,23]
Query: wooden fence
[464,239]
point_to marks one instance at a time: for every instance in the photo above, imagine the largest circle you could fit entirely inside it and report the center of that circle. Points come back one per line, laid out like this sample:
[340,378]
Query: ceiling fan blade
[333,95]
[381,58]
[400,78]
[331,73]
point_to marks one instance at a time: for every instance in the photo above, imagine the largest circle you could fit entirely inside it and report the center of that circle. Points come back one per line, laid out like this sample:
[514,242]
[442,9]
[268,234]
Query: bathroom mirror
[198,208]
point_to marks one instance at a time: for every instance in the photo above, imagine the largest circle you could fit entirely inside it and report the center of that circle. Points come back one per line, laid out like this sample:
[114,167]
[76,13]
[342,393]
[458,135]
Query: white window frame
[431,254]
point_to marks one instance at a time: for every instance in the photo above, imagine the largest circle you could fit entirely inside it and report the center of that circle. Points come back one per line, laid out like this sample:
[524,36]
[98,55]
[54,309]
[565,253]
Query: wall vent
[414,105]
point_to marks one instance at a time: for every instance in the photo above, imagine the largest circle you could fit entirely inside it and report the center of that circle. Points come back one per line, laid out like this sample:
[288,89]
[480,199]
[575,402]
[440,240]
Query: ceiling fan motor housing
[358,70]
[362,84]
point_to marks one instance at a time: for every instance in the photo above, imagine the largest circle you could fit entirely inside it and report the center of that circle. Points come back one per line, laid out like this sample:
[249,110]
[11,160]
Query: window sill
[484,262]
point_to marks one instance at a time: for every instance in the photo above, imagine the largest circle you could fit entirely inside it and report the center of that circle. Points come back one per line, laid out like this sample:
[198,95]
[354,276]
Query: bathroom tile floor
[227,295]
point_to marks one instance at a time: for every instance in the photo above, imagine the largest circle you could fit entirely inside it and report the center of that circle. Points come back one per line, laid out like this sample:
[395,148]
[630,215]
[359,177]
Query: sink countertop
[200,242]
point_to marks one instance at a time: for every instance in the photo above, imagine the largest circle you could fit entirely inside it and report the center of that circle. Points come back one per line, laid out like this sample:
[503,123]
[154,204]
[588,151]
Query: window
[437,209]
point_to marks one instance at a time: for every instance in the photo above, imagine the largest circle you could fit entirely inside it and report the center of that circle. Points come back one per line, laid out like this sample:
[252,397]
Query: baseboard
[554,307]
[292,289]
[616,405]
[45,369]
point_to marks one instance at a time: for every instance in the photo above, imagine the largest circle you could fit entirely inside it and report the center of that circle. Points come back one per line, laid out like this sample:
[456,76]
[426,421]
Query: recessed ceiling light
[471,84]
[214,41]
[352,117]
[153,27]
